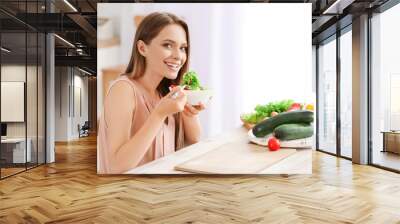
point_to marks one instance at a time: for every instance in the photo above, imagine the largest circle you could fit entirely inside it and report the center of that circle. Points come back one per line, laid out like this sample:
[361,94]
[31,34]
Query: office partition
[22,77]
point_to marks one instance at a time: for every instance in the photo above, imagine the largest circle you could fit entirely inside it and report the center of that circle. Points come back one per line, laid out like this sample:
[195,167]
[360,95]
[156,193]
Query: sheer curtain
[224,67]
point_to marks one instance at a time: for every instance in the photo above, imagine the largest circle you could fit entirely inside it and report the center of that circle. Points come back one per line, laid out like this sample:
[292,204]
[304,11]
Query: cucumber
[293,131]
[267,126]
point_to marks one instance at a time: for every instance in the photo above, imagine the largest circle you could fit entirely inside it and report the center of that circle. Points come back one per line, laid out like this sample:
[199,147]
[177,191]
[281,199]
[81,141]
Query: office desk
[391,141]
[13,150]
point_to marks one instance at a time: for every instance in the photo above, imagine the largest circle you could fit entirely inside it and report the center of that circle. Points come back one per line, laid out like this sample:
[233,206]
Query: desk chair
[84,130]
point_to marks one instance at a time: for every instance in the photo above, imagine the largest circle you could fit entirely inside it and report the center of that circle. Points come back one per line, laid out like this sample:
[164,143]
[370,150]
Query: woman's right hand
[172,103]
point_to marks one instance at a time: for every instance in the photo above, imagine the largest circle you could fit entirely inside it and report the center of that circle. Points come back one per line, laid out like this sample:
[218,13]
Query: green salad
[191,81]
[263,111]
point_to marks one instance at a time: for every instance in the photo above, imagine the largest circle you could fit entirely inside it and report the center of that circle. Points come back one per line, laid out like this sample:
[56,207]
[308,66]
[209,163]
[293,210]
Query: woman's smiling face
[167,52]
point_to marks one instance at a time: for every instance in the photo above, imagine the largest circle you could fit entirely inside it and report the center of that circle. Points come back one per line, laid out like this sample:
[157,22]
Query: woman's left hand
[193,110]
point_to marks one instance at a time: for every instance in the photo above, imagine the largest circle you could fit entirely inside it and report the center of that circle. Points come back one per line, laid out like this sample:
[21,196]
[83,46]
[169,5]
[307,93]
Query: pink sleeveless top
[164,142]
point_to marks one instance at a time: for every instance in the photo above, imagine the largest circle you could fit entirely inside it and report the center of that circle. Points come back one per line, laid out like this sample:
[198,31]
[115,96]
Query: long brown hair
[148,29]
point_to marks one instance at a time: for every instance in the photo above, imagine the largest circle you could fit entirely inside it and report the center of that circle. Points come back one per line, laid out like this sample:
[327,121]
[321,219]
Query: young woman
[143,119]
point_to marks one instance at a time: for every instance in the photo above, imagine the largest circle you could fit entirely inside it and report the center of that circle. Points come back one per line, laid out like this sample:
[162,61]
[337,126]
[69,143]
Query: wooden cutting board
[235,158]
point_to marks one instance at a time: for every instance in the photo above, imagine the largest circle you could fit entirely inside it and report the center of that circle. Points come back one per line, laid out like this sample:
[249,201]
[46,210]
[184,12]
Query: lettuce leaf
[191,80]
[263,111]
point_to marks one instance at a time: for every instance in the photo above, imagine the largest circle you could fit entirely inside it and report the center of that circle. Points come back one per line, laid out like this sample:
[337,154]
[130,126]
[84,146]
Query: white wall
[81,83]
[33,127]
[17,73]
[66,81]
[61,103]
[246,53]
[14,73]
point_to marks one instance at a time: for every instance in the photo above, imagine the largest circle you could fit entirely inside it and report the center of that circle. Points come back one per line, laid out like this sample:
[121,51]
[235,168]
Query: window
[327,96]
[346,93]
[385,88]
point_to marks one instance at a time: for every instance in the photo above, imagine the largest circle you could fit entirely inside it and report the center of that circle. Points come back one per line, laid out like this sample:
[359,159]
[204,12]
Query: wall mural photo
[204,89]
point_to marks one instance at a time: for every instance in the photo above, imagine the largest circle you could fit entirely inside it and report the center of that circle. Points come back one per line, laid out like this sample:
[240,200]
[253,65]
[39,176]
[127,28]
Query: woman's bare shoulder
[121,96]
[122,86]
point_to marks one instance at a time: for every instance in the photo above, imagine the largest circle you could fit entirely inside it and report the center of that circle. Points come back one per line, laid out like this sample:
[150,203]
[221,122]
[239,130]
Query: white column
[50,99]
[50,92]
[360,90]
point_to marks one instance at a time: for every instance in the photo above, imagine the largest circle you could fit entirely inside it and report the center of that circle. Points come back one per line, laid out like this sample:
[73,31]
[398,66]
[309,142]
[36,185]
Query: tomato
[295,106]
[273,144]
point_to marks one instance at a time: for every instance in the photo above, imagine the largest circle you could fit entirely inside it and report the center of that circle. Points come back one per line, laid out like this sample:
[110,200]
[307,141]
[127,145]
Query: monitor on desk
[3,130]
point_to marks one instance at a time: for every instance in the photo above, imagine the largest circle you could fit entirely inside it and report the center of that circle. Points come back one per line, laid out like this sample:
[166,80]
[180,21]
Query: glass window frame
[328,40]
[387,5]
[344,31]
[43,118]
[381,9]
[334,37]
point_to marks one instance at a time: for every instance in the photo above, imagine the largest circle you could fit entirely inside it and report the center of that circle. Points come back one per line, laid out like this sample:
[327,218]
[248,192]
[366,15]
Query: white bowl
[195,97]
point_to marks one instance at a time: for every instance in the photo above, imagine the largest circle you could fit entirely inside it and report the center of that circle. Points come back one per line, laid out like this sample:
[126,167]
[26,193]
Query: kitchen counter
[298,163]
